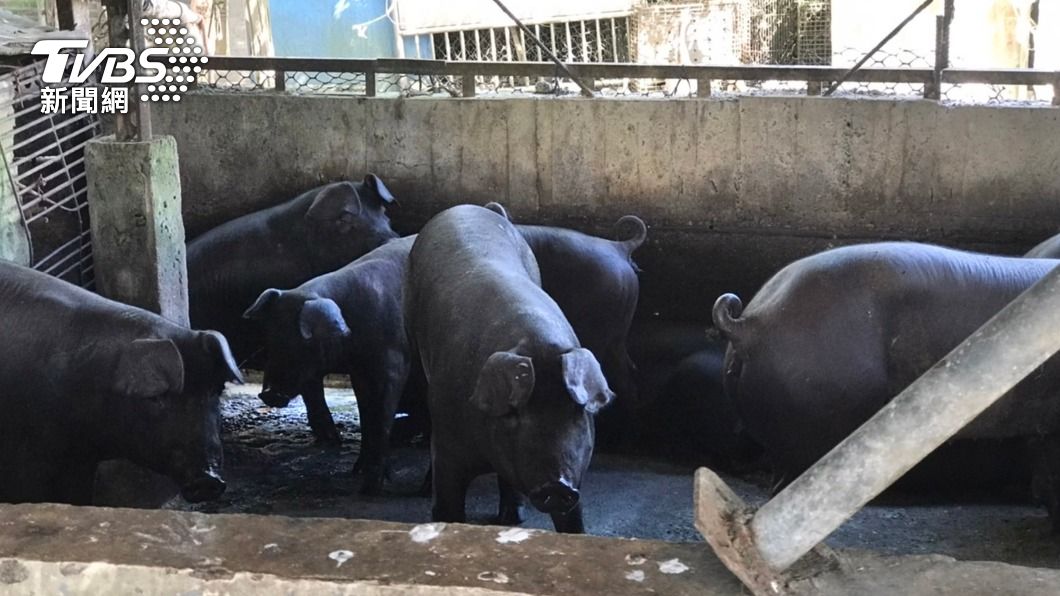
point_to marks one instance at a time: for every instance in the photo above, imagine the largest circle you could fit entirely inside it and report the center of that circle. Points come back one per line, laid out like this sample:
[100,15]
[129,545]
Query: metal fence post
[702,87]
[942,51]
[370,82]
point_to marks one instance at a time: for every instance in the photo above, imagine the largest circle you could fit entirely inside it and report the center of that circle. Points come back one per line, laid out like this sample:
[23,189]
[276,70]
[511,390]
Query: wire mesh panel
[44,156]
[787,32]
[588,41]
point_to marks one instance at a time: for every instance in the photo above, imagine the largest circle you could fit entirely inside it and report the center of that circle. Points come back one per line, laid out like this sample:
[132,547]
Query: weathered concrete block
[137,227]
[14,240]
[47,549]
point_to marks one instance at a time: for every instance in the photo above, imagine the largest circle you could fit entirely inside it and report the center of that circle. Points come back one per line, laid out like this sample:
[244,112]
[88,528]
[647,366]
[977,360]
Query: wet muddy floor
[273,467]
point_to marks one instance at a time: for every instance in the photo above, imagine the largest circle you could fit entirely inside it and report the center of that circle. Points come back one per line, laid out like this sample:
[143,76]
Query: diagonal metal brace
[587,91]
[760,546]
[873,51]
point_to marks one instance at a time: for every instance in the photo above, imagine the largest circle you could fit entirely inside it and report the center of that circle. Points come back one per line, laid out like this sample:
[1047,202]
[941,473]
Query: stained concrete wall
[14,240]
[732,189]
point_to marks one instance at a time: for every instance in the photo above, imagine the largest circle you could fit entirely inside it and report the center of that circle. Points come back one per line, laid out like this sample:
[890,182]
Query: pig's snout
[554,497]
[206,487]
[275,399]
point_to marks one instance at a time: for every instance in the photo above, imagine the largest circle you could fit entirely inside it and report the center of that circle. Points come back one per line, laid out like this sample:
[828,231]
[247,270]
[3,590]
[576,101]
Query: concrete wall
[732,189]
[14,240]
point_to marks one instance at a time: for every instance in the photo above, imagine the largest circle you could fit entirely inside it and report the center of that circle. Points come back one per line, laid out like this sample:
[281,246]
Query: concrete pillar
[137,226]
[139,254]
[14,239]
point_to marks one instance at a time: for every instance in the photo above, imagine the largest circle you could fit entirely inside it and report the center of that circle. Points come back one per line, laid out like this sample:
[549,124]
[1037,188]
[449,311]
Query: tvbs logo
[165,70]
[117,66]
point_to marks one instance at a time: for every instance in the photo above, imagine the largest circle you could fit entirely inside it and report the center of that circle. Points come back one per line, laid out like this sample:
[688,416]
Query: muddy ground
[273,467]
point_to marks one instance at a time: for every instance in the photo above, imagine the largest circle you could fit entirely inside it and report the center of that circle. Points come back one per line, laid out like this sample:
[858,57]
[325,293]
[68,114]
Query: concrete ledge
[57,549]
[72,550]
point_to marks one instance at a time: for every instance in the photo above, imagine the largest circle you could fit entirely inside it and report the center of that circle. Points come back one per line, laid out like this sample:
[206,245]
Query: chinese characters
[84,100]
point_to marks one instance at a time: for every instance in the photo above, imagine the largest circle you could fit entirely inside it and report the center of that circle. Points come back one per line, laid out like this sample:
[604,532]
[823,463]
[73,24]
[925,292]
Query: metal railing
[368,77]
[44,157]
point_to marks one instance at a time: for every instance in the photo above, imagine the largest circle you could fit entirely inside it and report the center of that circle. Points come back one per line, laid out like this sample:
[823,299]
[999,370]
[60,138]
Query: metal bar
[75,243]
[370,82]
[69,167]
[493,52]
[281,79]
[624,70]
[942,51]
[59,205]
[64,13]
[478,47]
[702,87]
[585,43]
[999,76]
[463,47]
[468,85]
[508,51]
[875,49]
[48,131]
[83,235]
[599,43]
[943,400]
[142,109]
[586,91]
[448,47]
[117,38]
[614,42]
[37,168]
[39,152]
[1032,41]
[44,198]
[570,42]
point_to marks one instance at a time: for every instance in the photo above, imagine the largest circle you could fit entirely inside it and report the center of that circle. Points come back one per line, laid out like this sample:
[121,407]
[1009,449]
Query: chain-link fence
[708,32]
[902,75]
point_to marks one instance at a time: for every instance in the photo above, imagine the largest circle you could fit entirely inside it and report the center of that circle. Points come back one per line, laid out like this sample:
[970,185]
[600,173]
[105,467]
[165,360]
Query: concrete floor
[273,467]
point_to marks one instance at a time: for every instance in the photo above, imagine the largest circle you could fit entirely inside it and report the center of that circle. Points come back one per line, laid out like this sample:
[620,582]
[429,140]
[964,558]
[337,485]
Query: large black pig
[1046,249]
[593,280]
[349,322]
[831,338]
[281,247]
[510,388]
[84,379]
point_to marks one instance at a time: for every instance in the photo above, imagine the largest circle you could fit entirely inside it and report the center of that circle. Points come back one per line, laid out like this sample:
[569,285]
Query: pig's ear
[373,182]
[498,209]
[149,368]
[216,345]
[322,319]
[506,382]
[335,202]
[585,381]
[260,308]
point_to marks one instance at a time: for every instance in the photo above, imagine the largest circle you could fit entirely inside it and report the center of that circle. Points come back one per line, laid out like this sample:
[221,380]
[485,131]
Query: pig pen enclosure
[733,187]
